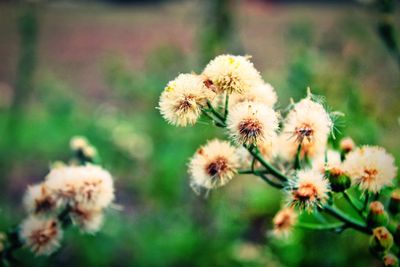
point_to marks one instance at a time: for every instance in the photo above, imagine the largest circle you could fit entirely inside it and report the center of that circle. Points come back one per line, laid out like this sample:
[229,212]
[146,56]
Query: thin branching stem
[349,221]
[353,205]
[271,169]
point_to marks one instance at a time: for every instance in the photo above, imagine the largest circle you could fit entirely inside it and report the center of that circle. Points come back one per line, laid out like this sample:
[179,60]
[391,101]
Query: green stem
[226,110]
[215,113]
[272,170]
[297,162]
[354,206]
[255,172]
[311,226]
[338,214]
[366,200]
[270,182]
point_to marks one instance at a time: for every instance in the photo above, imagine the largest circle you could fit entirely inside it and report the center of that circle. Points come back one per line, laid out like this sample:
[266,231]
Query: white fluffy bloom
[182,99]
[252,123]
[90,221]
[370,167]
[284,222]
[262,93]
[41,235]
[89,186]
[232,74]
[213,165]
[39,199]
[332,161]
[309,190]
[307,124]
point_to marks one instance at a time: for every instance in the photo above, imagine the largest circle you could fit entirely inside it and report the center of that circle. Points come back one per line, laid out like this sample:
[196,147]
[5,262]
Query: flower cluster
[76,194]
[231,93]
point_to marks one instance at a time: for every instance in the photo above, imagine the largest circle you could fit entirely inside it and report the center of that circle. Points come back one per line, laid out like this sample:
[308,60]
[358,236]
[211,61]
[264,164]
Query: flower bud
[390,260]
[394,204]
[381,240]
[377,216]
[338,179]
[347,144]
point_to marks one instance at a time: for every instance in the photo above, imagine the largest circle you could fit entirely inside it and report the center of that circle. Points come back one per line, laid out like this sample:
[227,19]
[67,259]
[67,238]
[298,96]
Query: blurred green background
[97,68]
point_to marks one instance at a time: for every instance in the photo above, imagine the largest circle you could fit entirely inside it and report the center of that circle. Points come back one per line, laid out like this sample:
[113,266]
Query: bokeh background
[97,68]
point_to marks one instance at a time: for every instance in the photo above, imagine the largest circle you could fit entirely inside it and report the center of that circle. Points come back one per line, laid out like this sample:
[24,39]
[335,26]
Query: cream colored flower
[284,222]
[371,168]
[230,74]
[78,143]
[42,236]
[39,199]
[89,186]
[262,93]
[309,190]
[332,161]
[307,124]
[183,98]
[90,221]
[213,165]
[252,123]
[347,144]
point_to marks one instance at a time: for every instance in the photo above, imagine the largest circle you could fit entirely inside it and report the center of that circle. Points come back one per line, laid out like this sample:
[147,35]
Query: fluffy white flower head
[284,222]
[262,92]
[89,186]
[39,199]
[89,221]
[181,101]
[232,74]
[213,165]
[309,190]
[307,124]
[370,167]
[41,235]
[332,161]
[252,123]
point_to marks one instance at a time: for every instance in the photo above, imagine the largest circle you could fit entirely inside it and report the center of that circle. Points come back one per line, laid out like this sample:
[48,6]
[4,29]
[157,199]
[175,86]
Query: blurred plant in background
[70,194]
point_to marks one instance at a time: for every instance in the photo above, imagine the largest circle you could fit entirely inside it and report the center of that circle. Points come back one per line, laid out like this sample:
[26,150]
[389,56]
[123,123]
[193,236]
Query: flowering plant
[77,193]
[288,149]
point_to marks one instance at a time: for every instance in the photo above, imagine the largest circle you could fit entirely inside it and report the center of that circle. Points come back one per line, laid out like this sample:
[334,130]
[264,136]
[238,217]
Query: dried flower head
[307,124]
[230,74]
[252,123]
[262,93]
[284,221]
[89,186]
[213,165]
[309,190]
[182,99]
[41,235]
[371,168]
[39,200]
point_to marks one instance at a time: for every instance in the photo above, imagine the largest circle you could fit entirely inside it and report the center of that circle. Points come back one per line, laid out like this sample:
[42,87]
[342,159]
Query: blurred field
[99,73]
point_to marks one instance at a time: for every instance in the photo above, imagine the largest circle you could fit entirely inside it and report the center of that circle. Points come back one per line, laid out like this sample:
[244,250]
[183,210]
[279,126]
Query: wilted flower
[213,165]
[182,99]
[284,221]
[252,123]
[230,74]
[41,235]
[39,199]
[309,190]
[370,167]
